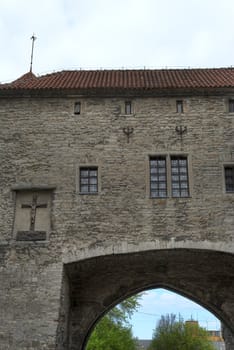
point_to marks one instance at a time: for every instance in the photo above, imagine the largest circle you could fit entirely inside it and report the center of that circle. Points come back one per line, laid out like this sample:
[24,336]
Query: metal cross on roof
[33,38]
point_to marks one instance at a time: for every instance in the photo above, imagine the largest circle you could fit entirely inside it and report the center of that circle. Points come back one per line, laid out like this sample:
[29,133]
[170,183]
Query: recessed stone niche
[32,215]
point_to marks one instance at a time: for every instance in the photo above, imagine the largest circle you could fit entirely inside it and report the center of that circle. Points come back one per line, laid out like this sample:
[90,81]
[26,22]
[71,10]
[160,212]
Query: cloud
[114,34]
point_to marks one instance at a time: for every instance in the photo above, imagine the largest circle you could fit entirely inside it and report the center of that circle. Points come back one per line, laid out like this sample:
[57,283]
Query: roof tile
[126,79]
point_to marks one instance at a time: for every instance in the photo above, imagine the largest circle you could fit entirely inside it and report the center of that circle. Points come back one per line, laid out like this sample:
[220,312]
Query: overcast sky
[114,34]
[93,34]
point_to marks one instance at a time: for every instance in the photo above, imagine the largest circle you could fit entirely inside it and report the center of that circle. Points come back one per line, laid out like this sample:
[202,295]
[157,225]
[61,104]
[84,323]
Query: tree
[170,334]
[113,331]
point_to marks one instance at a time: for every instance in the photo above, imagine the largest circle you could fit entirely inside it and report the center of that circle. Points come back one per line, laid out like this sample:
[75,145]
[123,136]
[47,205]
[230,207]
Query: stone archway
[97,284]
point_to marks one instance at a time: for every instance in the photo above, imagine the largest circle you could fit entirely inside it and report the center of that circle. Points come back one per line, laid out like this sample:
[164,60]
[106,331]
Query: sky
[94,34]
[158,302]
[114,34]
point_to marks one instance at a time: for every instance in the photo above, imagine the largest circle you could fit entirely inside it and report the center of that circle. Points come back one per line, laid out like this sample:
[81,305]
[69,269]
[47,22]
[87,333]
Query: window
[179,106]
[229,178]
[128,107]
[231,106]
[89,180]
[169,176]
[158,177]
[179,177]
[77,108]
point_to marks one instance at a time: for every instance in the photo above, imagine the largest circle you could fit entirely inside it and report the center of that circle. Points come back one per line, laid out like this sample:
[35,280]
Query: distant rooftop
[143,79]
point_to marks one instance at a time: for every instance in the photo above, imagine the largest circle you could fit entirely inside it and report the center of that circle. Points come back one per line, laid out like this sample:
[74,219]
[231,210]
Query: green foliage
[113,331]
[179,335]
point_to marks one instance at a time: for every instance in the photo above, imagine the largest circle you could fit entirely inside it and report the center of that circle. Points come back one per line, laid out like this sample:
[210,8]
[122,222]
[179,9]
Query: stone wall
[43,144]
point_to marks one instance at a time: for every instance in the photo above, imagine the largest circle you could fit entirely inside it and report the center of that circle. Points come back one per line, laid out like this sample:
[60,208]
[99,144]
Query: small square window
[88,180]
[77,108]
[229,178]
[179,106]
[128,107]
[231,106]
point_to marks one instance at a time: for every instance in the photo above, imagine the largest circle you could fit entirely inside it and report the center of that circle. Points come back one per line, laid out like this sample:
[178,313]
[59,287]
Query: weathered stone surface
[104,247]
[31,236]
[228,338]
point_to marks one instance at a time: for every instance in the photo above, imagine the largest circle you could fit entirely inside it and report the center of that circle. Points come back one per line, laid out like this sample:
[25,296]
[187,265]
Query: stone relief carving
[32,215]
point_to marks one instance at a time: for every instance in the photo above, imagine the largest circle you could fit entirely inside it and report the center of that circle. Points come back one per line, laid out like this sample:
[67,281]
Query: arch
[74,254]
[100,282]
[165,287]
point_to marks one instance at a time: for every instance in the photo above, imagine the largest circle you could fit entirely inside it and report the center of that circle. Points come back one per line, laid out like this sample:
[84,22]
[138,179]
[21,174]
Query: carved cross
[33,206]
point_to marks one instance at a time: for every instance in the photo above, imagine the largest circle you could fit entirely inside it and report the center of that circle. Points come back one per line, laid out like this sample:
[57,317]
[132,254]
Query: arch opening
[98,284]
[152,305]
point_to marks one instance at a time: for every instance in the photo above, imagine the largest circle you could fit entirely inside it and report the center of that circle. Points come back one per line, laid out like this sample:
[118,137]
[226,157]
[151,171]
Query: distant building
[214,336]
[143,344]
[217,339]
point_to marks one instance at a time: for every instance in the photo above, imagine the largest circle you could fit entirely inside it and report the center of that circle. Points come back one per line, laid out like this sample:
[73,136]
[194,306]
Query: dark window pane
[183,185]
[93,173]
[93,188]
[174,162]
[229,178]
[93,181]
[183,170]
[231,105]
[175,170]
[158,179]
[184,193]
[161,170]
[162,185]
[84,173]
[154,178]
[153,171]
[77,108]
[84,188]
[175,193]
[88,180]
[162,194]
[128,107]
[154,186]
[84,181]
[175,185]
[179,176]
[179,106]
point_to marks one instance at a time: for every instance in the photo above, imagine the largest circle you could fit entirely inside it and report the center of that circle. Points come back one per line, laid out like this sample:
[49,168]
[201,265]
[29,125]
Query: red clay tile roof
[126,79]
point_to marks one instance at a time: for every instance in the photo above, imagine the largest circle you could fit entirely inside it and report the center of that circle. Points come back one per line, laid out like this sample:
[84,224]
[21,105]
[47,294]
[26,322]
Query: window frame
[169,181]
[225,167]
[179,106]
[178,159]
[88,178]
[77,108]
[158,182]
[128,104]
[231,105]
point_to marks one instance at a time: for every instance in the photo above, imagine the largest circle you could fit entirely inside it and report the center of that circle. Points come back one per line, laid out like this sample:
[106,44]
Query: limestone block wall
[44,144]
